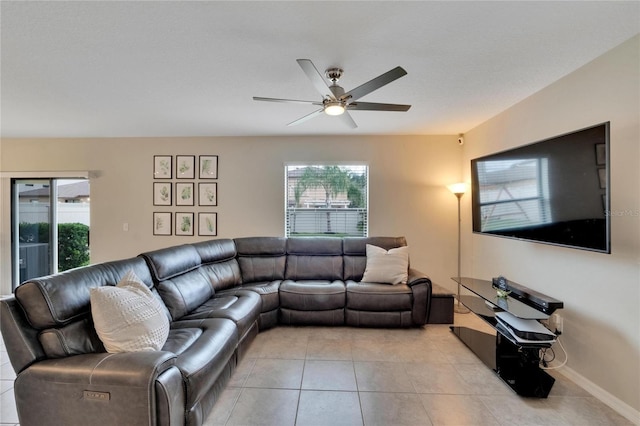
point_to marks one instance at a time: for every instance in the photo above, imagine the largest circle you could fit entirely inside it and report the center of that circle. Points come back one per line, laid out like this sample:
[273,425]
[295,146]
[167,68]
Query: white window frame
[341,220]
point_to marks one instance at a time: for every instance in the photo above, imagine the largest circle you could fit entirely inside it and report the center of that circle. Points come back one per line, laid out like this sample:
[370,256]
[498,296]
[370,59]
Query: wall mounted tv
[555,191]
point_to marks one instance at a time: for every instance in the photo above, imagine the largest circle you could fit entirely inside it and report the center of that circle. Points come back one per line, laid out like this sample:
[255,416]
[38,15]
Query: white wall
[407,179]
[601,292]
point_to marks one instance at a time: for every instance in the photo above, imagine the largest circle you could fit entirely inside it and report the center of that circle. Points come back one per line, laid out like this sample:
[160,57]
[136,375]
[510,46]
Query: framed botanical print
[162,193]
[161,223]
[207,224]
[184,224]
[208,194]
[185,166]
[162,166]
[184,194]
[208,167]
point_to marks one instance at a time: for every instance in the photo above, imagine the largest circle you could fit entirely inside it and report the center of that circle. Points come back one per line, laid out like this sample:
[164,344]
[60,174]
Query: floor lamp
[458,190]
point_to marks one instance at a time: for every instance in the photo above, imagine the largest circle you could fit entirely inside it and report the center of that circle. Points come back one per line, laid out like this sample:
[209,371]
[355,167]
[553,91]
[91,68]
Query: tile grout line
[242,387]
[304,364]
[355,375]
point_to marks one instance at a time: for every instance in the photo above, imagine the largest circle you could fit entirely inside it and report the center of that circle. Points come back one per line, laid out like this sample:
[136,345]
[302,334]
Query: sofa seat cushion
[240,306]
[375,297]
[203,348]
[268,291]
[333,317]
[394,319]
[310,295]
[181,339]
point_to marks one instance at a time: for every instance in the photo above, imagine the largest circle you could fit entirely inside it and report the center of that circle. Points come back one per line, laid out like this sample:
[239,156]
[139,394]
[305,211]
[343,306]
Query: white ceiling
[182,68]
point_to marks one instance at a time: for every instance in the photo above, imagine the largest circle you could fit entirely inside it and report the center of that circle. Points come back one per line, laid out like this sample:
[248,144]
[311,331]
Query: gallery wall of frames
[185,194]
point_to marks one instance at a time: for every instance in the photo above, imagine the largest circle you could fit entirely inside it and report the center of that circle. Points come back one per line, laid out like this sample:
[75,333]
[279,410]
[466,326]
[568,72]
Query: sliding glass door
[50,226]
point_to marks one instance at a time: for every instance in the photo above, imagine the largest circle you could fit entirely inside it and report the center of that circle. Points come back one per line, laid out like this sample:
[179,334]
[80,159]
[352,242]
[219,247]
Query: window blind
[326,200]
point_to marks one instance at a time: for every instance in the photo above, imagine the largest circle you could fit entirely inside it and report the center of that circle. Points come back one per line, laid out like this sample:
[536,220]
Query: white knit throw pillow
[128,317]
[387,267]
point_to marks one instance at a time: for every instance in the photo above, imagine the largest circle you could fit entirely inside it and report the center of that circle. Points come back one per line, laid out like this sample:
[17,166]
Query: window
[513,193]
[326,199]
[50,219]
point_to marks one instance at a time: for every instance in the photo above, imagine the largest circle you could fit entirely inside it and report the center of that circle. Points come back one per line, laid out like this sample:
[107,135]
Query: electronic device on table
[525,330]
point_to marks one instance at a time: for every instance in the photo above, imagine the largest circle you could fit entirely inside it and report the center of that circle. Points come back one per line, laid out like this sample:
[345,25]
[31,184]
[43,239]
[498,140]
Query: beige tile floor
[351,376]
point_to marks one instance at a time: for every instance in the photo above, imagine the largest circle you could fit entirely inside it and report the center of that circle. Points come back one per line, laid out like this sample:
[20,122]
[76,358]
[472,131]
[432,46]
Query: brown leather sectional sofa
[218,295]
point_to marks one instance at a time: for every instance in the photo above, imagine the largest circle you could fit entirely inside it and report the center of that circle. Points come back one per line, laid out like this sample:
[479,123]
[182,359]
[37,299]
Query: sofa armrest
[106,388]
[421,288]
[121,369]
[417,277]
[20,339]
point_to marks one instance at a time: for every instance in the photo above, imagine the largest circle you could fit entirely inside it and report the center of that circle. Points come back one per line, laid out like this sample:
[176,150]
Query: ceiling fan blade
[316,78]
[348,120]
[291,101]
[375,106]
[374,84]
[307,117]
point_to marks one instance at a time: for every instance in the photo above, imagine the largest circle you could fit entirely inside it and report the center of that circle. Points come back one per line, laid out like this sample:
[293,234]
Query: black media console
[516,362]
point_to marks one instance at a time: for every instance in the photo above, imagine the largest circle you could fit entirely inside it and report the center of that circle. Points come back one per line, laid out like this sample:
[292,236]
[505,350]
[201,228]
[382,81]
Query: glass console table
[516,363]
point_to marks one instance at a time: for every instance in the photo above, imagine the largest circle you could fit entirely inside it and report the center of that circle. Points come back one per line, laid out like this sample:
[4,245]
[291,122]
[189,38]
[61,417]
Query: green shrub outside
[73,241]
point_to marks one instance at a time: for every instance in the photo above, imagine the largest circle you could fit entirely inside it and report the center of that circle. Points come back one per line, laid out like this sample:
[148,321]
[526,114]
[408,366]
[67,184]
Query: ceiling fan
[335,101]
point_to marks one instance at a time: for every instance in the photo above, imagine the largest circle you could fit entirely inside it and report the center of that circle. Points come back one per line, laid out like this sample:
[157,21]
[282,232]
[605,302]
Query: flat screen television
[554,191]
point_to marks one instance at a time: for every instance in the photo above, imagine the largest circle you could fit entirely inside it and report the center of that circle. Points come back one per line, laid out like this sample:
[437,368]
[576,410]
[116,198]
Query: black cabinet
[517,364]
[519,367]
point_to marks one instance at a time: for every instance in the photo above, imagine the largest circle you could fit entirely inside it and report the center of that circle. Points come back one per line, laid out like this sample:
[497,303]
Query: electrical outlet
[556,322]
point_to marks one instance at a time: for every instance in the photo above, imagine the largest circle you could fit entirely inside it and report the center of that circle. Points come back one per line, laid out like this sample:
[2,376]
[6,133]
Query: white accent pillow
[387,267]
[128,317]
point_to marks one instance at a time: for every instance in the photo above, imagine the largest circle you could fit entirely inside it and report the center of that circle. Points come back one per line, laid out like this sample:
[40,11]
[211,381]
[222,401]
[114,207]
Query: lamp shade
[334,108]
[458,188]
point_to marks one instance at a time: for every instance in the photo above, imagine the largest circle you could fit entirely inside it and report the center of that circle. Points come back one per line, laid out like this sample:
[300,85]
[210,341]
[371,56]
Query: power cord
[545,362]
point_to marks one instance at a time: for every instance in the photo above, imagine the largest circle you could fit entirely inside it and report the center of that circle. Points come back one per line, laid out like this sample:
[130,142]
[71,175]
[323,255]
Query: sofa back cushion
[261,258]
[170,262]
[213,251]
[219,264]
[59,305]
[63,298]
[75,338]
[184,293]
[180,282]
[314,259]
[355,253]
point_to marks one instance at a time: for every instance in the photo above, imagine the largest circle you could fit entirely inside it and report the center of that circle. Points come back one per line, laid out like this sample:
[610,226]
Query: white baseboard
[615,403]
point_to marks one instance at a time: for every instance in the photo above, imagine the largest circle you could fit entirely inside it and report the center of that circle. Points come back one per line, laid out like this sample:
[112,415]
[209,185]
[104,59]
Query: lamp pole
[458,190]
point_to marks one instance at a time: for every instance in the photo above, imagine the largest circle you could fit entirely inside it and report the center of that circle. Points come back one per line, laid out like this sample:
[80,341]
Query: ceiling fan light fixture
[334,108]
[335,101]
